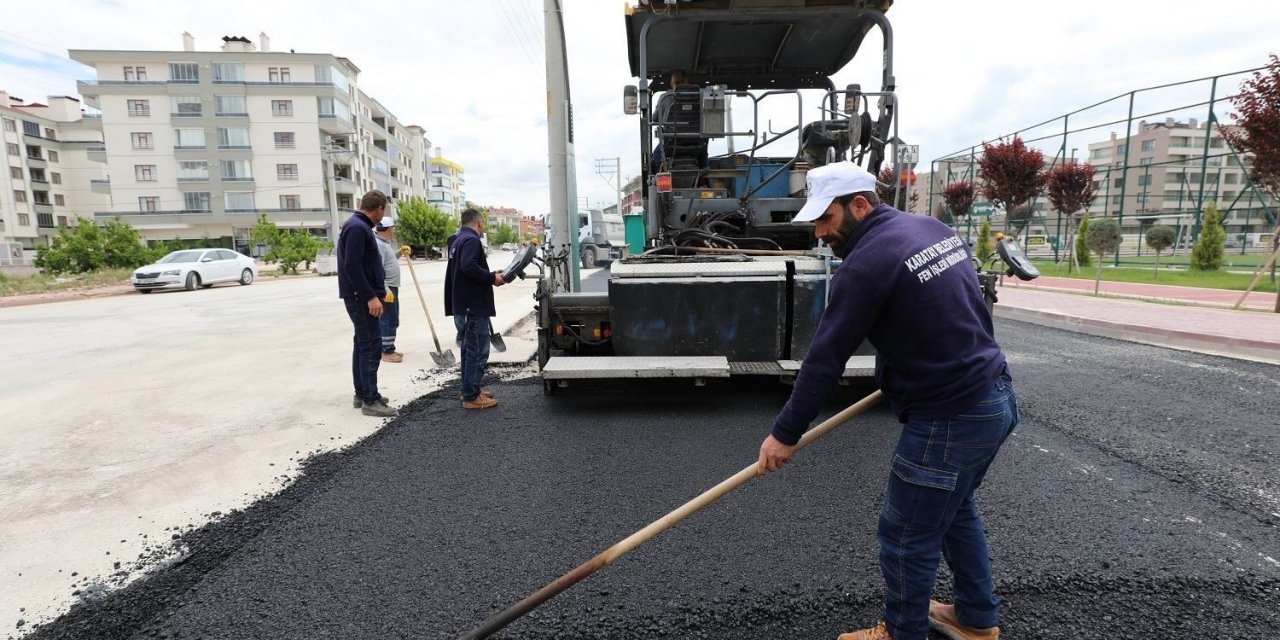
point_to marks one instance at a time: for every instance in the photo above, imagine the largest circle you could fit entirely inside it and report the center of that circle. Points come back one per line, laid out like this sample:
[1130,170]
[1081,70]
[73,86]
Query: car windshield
[180,256]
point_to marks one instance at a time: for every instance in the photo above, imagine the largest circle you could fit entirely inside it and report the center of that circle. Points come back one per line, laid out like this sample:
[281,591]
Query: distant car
[508,246]
[191,268]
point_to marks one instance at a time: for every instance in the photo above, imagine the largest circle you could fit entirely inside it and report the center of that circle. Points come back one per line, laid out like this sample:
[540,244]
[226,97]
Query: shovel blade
[445,359]
[495,339]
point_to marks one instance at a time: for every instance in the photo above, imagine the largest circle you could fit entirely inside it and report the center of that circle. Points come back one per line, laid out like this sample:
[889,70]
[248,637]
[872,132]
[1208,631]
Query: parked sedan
[191,268]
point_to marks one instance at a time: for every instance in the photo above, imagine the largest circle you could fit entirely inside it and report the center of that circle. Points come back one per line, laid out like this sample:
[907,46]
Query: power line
[518,35]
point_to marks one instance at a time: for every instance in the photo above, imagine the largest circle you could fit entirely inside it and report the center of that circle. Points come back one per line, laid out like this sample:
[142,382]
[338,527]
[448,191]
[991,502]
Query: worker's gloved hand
[390,297]
[405,250]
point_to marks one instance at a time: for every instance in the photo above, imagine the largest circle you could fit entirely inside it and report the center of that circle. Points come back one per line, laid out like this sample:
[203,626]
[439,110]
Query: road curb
[1233,347]
[1181,302]
[28,299]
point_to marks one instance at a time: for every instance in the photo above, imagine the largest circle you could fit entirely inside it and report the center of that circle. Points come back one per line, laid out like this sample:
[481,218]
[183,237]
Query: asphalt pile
[1126,505]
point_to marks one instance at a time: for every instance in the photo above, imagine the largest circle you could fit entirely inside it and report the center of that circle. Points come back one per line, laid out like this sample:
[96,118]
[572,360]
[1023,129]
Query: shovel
[443,358]
[495,339]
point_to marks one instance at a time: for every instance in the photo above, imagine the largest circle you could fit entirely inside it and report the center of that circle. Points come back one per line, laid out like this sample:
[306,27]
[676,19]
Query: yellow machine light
[559,330]
[595,333]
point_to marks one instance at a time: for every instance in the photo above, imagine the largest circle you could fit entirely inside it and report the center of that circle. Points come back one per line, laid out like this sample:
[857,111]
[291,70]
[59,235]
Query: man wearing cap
[906,284]
[390,320]
[362,285]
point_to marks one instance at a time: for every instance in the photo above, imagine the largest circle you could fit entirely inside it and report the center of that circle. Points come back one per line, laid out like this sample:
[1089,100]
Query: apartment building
[49,179]
[503,215]
[1166,170]
[447,189]
[200,143]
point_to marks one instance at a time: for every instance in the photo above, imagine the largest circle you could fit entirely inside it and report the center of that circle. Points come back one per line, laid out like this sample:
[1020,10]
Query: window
[1120,149]
[278,75]
[1148,145]
[1230,178]
[1115,200]
[286,172]
[55,177]
[236,138]
[135,74]
[331,75]
[281,107]
[31,128]
[228,72]
[34,152]
[196,201]
[188,138]
[1146,161]
[16,173]
[10,125]
[144,172]
[1178,141]
[1217,143]
[236,170]
[184,72]
[59,200]
[62,220]
[50,133]
[290,203]
[24,219]
[239,201]
[141,140]
[13,148]
[53,156]
[229,105]
[40,197]
[328,107]
[1144,181]
[19,196]
[139,108]
[148,203]
[193,170]
[185,106]
[284,140]
[1118,183]
[37,175]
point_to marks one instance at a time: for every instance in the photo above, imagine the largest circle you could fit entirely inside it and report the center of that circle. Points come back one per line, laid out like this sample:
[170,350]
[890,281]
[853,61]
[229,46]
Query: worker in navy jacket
[362,285]
[468,297]
[907,284]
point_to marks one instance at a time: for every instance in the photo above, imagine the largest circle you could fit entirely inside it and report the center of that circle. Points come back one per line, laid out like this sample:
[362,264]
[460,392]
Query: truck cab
[600,238]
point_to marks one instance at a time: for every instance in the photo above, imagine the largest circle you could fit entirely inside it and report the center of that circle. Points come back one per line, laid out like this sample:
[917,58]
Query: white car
[191,268]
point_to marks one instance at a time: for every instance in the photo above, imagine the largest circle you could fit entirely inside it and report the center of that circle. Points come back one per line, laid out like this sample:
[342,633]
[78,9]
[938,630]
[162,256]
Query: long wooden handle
[626,545]
[423,301]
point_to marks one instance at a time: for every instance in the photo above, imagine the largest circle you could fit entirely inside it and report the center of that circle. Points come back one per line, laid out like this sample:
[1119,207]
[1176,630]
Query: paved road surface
[1138,498]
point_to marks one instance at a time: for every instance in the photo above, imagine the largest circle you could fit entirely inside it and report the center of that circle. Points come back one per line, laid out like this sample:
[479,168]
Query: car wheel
[193,281]
[589,259]
[246,277]
[145,290]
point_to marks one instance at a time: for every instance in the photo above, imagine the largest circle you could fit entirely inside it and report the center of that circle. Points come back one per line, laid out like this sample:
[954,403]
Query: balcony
[237,178]
[344,185]
[42,207]
[97,154]
[187,114]
[100,186]
[44,220]
[36,162]
[332,123]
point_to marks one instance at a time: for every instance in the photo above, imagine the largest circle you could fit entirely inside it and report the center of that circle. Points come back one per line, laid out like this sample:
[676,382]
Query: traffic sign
[909,154]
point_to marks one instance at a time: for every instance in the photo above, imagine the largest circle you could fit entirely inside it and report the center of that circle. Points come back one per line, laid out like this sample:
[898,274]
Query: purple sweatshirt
[907,284]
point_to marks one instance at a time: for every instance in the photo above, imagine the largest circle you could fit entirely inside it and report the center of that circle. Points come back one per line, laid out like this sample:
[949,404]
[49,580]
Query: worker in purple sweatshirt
[906,283]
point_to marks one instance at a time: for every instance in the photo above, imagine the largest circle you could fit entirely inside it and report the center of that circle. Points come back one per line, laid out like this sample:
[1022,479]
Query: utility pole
[607,166]
[560,159]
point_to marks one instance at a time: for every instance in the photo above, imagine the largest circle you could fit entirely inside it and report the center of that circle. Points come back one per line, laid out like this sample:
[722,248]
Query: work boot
[481,402]
[378,409]
[942,617]
[392,356]
[357,401]
[878,632]
[483,393]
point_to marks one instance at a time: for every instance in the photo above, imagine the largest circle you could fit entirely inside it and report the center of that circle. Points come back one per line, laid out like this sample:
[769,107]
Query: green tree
[984,242]
[1081,247]
[286,248]
[422,226]
[1103,238]
[1159,238]
[87,247]
[502,234]
[1206,254]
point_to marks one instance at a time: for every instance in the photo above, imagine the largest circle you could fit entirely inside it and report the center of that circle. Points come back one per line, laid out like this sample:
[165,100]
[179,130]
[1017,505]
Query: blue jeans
[474,333]
[366,350]
[390,320]
[929,511]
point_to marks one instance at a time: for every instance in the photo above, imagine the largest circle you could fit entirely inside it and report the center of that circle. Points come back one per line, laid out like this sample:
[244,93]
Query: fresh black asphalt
[1139,498]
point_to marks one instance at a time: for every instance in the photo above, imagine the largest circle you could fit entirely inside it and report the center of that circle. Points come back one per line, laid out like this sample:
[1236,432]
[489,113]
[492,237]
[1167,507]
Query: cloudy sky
[472,72]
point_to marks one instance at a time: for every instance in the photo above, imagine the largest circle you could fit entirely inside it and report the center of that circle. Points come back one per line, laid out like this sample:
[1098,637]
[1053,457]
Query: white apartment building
[448,187]
[49,179]
[200,143]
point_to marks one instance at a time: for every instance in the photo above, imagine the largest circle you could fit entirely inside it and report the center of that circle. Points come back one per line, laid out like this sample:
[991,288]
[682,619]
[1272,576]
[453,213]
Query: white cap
[387,222]
[828,182]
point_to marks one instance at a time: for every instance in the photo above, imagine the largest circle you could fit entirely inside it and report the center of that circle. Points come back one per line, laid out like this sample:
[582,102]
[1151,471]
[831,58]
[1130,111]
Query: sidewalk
[1169,294]
[1186,324]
